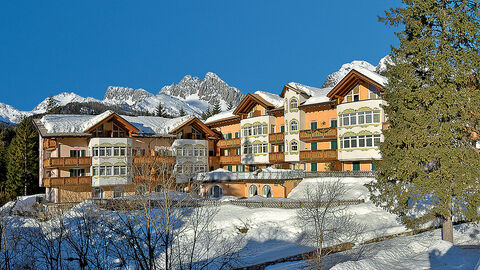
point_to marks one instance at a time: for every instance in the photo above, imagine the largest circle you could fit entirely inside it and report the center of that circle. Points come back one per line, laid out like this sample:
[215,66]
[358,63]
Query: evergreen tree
[182,112]
[428,153]
[216,107]
[204,116]
[230,106]
[52,107]
[22,174]
[160,111]
[208,113]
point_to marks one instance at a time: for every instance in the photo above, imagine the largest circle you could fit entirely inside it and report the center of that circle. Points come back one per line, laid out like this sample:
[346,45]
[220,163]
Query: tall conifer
[22,168]
[429,160]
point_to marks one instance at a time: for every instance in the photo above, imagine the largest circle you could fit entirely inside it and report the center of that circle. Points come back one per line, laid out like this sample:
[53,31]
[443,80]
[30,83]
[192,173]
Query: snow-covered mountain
[337,76]
[191,94]
[204,93]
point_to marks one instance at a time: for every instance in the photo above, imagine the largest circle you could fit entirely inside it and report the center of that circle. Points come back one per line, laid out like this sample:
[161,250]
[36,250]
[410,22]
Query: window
[293,103]
[97,193]
[95,170]
[230,168]
[313,167]
[267,191]
[374,93]
[118,192]
[282,128]
[354,95]
[252,191]
[281,148]
[237,134]
[333,122]
[313,125]
[102,151]
[102,171]
[95,151]
[376,116]
[108,170]
[228,135]
[294,146]
[313,146]
[294,125]
[77,153]
[77,172]
[117,131]
[272,129]
[215,191]
[346,120]
[356,165]
[360,118]
[123,151]
[116,170]
[333,145]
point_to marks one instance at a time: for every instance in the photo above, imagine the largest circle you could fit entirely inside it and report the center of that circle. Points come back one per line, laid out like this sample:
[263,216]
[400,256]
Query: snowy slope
[62,99]
[10,114]
[337,76]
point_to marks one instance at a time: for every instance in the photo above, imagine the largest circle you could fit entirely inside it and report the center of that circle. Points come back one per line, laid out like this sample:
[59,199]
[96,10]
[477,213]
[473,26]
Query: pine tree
[204,116]
[208,113]
[428,153]
[230,106]
[160,111]
[22,174]
[216,107]
[181,112]
[52,107]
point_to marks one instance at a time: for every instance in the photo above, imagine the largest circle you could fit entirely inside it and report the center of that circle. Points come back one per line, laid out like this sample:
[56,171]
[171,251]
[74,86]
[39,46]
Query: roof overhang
[119,120]
[249,102]
[197,124]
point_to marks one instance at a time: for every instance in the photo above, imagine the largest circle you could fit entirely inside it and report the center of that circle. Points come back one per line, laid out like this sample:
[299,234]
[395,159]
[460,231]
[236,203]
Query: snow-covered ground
[275,233]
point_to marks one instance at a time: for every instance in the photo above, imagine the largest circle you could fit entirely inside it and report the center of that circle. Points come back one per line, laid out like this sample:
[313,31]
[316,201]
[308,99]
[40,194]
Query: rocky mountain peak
[125,94]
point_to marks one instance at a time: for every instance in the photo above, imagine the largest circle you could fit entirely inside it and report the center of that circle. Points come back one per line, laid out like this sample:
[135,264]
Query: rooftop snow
[382,80]
[220,116]
[317,95]
[75,123]
[274,99]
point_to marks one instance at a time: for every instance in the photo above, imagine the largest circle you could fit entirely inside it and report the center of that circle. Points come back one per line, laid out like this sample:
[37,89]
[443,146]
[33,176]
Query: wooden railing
[230,159]
[277,157]
[319,134]
[227,143]
[49,143]
[276,137]
[67,162]
[67,181]
[152,159]
[319,155]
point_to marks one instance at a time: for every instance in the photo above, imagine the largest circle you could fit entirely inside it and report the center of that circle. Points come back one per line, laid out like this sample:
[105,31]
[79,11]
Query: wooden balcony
[153,159]
[276,138]
[67,162]
[277,157]
[229,143]
[49,144]
[67,181]
[230,160]
[319,155]
[319,134]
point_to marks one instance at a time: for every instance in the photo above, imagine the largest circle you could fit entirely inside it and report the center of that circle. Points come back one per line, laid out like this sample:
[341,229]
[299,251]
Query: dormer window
[293,104]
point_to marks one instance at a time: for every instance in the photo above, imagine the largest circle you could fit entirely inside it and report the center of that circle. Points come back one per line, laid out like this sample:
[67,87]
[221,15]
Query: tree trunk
[447,230]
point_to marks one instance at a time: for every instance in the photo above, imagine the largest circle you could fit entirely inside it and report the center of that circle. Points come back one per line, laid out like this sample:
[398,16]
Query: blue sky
[49,47]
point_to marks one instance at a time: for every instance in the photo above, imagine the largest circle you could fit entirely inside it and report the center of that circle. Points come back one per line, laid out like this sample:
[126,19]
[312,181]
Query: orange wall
[320,117]
[229,129]
[365,165]
[279,121]
[240,189]
[66,144]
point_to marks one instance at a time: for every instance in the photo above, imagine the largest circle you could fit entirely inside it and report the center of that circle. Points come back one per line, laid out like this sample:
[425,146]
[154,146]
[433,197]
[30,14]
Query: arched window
[215,191]
[252,191]
[267,191]
[293,103]
[294,125]
[118,192]
[97,193]
[140,190]
[294,146]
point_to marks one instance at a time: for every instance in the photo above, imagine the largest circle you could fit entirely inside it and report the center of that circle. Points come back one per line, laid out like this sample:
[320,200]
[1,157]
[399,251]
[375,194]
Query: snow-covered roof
[155,124]
[76,123]
[382,80]
[273,99]
[219,116]
[317,95]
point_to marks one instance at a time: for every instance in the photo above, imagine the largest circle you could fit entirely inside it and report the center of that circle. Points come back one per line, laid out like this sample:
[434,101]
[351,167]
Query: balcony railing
[277,157]
[229,143]
[67,162]
[154,159]
[67,181]
[276,137]
[49,144]
[318,134]
[230,159]
[319,155]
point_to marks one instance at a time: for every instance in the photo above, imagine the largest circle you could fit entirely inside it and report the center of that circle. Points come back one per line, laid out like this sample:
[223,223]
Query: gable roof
[249,101]
[96,121]
[354,77]
[197,124]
